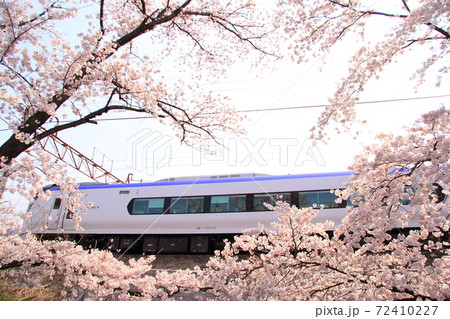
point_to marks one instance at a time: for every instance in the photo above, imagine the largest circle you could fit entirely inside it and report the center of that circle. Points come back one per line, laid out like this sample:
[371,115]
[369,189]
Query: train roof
[202,177]
[213,180]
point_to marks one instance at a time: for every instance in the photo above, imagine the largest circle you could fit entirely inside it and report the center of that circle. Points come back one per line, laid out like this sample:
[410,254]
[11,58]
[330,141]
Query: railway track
[172,262]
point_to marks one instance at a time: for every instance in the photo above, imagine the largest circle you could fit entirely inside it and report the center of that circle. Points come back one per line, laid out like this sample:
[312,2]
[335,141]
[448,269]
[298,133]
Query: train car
[184,215]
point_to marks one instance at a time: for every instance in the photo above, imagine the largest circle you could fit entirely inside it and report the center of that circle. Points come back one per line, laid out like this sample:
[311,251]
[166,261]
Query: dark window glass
[144,206]
[354,200]
[408,190]
[307,199]
[57,203]
[155,206]
[439,192]
[327,199]
[184,205]
[228,203]
[260,199]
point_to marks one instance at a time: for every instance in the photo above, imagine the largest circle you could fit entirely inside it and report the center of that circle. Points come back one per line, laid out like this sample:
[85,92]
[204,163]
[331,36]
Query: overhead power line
[325,105]
[286,108]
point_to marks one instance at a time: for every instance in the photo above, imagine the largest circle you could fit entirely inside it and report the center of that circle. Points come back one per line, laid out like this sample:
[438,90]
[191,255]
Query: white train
[184,215]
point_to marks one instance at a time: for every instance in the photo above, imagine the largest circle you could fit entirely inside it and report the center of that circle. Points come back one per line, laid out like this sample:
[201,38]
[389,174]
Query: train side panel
[109,213]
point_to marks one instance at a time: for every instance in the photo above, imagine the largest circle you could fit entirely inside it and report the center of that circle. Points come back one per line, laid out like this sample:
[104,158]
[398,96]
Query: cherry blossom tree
[44,80]
[398,182]
[54,76]
[81,274]
[53,79]
[318,26]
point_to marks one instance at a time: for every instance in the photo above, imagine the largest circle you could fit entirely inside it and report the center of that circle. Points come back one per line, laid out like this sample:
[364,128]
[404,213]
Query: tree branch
[183,123]
[102,26]
[40,15]
[406,5]
[351,7]
[89,119]
[392,15]
[232,28]
[440,30]
[144,26]
[14,147]
[191,36]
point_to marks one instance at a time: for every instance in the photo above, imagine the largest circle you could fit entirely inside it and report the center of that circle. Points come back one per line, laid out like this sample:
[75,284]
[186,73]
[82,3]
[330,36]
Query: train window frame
[189,203]
[57,203]
[229,207]
[319,202]
[260,207]
[250,202]
[329,204]
[146,207]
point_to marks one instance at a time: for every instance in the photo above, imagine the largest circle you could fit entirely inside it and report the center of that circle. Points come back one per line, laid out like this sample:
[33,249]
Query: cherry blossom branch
[233,28]
[40,15]
[88,119]
[190,35]
[445,33]
[82,67]
[352,7]
[101,17]
[406,6]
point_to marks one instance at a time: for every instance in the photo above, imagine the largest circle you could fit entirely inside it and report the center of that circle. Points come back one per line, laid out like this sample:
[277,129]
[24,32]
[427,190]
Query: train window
[307,199]
[260,199]
[144,206]
[155,206]
[328,200]
[57,203]
[438,191]
[437,194]
[228,203]
[408,190]
[325,198]
[354,200]
[183,205]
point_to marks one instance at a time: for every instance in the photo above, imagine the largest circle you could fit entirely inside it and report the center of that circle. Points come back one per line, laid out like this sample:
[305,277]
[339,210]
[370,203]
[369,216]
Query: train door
[56,210]
[60,217]
[67,220]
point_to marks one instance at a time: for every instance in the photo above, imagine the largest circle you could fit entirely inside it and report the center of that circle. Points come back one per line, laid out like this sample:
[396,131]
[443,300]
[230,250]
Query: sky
[281,107]
[284,106]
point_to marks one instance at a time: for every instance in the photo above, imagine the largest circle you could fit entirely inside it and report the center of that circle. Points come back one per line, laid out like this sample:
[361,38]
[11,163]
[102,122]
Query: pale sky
[277,141]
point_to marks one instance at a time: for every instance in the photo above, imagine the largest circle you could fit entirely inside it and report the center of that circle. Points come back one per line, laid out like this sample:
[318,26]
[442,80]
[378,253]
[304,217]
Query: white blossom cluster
[315,27]
[118,60]
[369,256]
[82,274]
